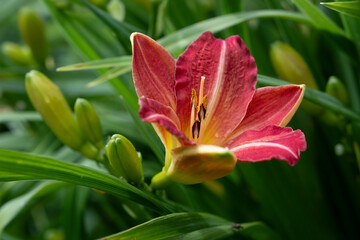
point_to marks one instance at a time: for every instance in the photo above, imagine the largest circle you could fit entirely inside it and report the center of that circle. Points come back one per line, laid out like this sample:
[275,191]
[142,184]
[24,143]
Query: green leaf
[173,225]
[178,40]
[20,116]
[315,96]
[350,8]
[51,169]
[122,30]
[9,210]
[188,226]
[8,177]
[96,64]
[320,20]
[112,73]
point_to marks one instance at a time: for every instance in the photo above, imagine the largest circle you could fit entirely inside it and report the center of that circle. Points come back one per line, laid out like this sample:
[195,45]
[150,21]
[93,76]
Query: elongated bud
[290,66]
[336,88]
[32,31]
[89,122]
[116,8]
[196,164]
[124,159]
[16,53]
[51,104]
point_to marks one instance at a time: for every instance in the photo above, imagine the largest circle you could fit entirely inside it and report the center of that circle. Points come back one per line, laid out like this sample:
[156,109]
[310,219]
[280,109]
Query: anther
[196,129]
[202,112]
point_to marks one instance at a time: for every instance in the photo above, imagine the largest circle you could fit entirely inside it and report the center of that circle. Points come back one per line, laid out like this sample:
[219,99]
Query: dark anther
[196,129]
[202,112]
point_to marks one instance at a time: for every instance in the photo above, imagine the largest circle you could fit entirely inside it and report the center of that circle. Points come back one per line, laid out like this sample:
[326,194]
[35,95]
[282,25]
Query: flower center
[198,112]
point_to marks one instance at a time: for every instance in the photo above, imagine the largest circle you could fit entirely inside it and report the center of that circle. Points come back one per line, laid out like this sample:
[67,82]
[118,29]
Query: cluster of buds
[83,132]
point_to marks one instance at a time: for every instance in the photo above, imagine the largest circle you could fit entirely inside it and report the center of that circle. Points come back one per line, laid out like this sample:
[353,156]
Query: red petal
[153,70]
[153,111]
[271,106]
[230,78]
[268,143]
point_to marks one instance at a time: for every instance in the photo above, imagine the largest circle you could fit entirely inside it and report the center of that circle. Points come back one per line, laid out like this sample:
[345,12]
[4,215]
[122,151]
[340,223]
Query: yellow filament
[193,110]
[201,93]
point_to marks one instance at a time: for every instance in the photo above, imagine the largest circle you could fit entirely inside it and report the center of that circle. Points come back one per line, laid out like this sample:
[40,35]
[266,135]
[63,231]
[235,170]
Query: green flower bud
[196,164]
[32,30]
[51,104]
[336,88]
[290,66]
[124,159]
[116,9]
[18,54]
[89,122]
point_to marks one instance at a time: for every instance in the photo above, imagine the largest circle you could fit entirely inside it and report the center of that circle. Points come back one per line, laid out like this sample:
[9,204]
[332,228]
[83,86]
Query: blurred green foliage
[319,198]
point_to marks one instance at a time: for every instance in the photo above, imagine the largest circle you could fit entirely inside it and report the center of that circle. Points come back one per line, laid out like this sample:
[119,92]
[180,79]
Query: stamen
[201,92]
[196,129]
[193,110]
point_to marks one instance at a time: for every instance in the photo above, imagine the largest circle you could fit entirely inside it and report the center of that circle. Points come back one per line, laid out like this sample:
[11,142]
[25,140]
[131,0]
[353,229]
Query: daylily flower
[207,112]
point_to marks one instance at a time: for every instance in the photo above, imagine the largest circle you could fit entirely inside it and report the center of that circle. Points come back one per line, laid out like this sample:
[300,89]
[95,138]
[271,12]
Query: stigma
[198,111]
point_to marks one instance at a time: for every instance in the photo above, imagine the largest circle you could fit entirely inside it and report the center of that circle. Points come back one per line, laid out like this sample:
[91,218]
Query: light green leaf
[315,96]
[350,8]
[51,169]
[320,20]
[188,226]
[8,177]
[20,116]
[9,210]
[171,226]
[96,64]
[112,73]
[178,40]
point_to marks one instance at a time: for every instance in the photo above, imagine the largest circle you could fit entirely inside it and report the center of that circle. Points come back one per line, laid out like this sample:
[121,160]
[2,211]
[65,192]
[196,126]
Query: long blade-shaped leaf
[169,226]
[113,73]
[350,8]
[200,226]
[47,168]
[319,20]
[96,64]
[9,210]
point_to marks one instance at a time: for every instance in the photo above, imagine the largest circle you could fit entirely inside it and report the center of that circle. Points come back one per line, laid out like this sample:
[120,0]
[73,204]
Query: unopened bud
[48,100]
[196,164]
[32,31]
[125,160]
[89,122]
[290,66]
[116,8]
[18,54]
[336,88]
